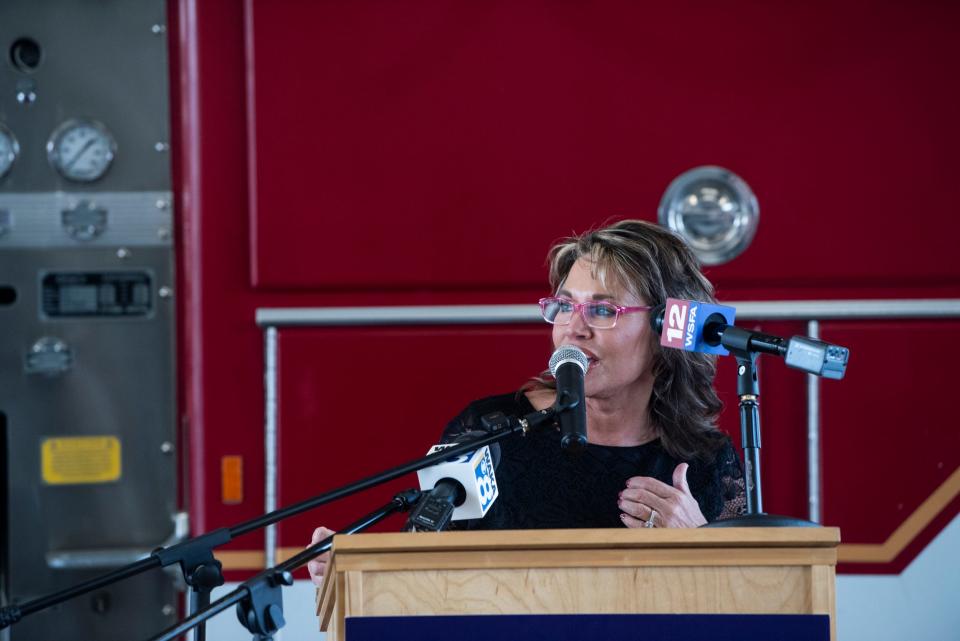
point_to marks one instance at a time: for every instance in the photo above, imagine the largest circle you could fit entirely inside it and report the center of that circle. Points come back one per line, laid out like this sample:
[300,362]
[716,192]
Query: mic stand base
[762,520]
[260,600]
[261,612]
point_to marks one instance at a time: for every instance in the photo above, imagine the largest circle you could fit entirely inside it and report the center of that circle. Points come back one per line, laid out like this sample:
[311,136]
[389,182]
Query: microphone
[686,323]
[461,488]
[569,365]
[694,326]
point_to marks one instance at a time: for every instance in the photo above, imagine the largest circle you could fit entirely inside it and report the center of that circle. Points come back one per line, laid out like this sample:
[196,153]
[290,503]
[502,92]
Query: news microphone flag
[474,471]
[683,323]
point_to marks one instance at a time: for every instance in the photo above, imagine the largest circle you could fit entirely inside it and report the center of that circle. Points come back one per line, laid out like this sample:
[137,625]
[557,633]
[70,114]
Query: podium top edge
[640,538]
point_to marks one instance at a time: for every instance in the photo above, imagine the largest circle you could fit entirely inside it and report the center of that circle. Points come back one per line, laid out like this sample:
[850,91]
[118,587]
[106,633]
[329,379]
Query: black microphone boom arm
[800,352]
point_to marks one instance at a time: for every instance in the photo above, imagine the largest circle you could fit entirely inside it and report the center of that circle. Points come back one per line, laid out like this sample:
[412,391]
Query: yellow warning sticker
[80,459]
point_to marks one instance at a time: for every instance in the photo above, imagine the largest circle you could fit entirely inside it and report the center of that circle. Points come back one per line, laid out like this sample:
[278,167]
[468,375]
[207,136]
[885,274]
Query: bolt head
[26,97]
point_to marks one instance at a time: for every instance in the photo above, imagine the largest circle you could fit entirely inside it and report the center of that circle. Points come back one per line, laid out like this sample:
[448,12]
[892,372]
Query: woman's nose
[578,325]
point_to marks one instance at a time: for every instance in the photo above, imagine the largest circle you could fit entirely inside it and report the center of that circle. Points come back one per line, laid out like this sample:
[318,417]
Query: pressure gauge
[81,150]
[9,150]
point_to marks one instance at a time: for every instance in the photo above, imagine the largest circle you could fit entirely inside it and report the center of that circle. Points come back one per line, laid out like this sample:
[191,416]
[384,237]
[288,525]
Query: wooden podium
[608,571]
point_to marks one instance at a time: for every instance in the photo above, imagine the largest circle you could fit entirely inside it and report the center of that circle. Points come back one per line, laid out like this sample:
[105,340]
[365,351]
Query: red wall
[370,153]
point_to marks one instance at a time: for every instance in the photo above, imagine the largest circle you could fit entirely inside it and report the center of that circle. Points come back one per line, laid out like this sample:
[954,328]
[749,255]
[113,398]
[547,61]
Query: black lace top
[542,486]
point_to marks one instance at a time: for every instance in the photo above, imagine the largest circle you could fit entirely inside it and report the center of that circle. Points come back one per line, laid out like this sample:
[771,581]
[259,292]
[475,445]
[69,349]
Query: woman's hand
[318,566]
[647,498]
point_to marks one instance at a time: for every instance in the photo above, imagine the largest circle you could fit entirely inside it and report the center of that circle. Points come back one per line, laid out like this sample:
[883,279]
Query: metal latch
[49,356]
[84,221]
[108,558]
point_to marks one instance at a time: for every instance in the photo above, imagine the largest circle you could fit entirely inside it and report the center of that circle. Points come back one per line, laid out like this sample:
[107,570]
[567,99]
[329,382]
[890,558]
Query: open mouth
[592,360]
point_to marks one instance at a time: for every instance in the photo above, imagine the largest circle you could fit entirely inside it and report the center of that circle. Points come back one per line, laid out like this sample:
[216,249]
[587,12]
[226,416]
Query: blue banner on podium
[559,627]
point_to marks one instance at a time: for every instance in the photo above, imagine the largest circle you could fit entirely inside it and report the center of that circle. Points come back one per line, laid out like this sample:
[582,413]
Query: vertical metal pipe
[270,442]
[813,436]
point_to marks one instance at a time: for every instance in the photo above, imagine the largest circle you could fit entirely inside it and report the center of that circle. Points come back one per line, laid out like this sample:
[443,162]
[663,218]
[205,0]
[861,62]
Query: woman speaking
[654,456]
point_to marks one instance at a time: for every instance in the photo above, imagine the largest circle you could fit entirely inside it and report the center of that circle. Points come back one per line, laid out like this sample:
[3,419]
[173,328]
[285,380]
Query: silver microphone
[569,365]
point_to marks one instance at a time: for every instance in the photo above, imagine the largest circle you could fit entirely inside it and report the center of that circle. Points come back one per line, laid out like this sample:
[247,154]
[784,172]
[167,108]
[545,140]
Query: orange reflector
[231,479]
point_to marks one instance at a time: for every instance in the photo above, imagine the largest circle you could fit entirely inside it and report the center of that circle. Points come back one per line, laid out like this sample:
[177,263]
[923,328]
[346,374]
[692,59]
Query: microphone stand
[260,598]
[201,571]
[738,342]
[195,556]
[261,606]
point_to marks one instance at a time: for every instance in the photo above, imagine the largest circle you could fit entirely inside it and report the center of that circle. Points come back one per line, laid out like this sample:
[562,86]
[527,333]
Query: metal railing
[812,311]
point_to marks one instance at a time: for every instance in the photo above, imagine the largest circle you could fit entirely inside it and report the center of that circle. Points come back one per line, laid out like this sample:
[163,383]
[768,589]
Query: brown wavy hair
[655,264]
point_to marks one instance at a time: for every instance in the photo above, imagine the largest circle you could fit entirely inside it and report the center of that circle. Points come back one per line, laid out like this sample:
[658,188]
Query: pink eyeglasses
[596,314]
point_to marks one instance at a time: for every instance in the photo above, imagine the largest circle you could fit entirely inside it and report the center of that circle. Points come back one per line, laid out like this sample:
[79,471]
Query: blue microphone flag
[683,323]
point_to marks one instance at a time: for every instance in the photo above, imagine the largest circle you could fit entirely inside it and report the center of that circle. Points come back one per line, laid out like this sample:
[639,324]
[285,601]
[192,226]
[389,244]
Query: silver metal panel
[121,383]
[132,219]
[111,558]
[103,61]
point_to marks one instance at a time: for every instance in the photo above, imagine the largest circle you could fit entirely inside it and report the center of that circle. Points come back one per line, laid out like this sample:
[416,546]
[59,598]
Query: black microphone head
[656,318]
[450,490]
[712,329]
[568,354]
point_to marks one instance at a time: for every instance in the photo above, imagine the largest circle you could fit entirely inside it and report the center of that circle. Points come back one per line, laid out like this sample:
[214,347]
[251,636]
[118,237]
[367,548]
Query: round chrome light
[714,210]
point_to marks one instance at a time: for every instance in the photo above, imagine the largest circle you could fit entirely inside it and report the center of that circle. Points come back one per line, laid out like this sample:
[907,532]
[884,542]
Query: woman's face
[620,357]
